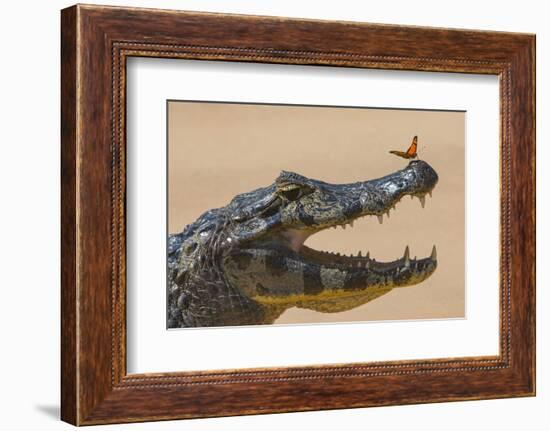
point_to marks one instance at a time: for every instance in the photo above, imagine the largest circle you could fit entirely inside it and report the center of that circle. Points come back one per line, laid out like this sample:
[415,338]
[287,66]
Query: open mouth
[362,261]
[363,270]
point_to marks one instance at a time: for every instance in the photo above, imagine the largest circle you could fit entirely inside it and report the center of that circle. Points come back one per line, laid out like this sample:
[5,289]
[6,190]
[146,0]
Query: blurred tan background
[218,150]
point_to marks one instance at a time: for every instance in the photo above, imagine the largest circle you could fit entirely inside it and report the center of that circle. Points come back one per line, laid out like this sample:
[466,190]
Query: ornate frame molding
[96,41]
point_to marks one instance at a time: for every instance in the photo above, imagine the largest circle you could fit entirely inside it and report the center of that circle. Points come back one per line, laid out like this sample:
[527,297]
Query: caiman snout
[418,179]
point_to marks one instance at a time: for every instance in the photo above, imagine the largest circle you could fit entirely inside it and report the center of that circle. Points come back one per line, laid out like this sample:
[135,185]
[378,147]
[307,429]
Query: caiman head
[264,254]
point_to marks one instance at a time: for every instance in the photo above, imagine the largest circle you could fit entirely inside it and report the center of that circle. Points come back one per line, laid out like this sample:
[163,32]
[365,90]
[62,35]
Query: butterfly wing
[399,153]
[411,152]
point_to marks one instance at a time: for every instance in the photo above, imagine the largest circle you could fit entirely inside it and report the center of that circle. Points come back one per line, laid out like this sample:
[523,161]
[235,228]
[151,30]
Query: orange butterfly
[410,153]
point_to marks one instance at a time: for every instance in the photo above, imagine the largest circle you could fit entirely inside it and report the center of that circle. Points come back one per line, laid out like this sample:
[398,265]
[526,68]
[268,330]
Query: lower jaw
[398,273]
[343,261]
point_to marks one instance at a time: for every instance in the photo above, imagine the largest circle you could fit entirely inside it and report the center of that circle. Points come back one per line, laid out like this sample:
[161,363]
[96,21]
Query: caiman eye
[293,192]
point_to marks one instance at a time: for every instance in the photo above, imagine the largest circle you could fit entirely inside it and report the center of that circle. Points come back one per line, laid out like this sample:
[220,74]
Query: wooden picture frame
[96,41]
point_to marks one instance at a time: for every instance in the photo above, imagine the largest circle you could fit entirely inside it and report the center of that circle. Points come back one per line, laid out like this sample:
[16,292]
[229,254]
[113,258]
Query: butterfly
[410,153]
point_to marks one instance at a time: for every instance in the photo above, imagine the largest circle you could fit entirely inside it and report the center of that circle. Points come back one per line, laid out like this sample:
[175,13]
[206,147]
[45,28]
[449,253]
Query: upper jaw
[374,197]
[377,197]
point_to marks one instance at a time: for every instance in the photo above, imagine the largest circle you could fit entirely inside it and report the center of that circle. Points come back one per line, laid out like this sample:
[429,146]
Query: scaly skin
[245,263]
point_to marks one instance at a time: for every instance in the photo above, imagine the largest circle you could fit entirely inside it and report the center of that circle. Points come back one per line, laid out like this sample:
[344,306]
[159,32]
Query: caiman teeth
[380,217]
[422,200]
[344,260]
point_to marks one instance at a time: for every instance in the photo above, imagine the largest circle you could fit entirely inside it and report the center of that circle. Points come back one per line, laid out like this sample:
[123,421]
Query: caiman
[246,263]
